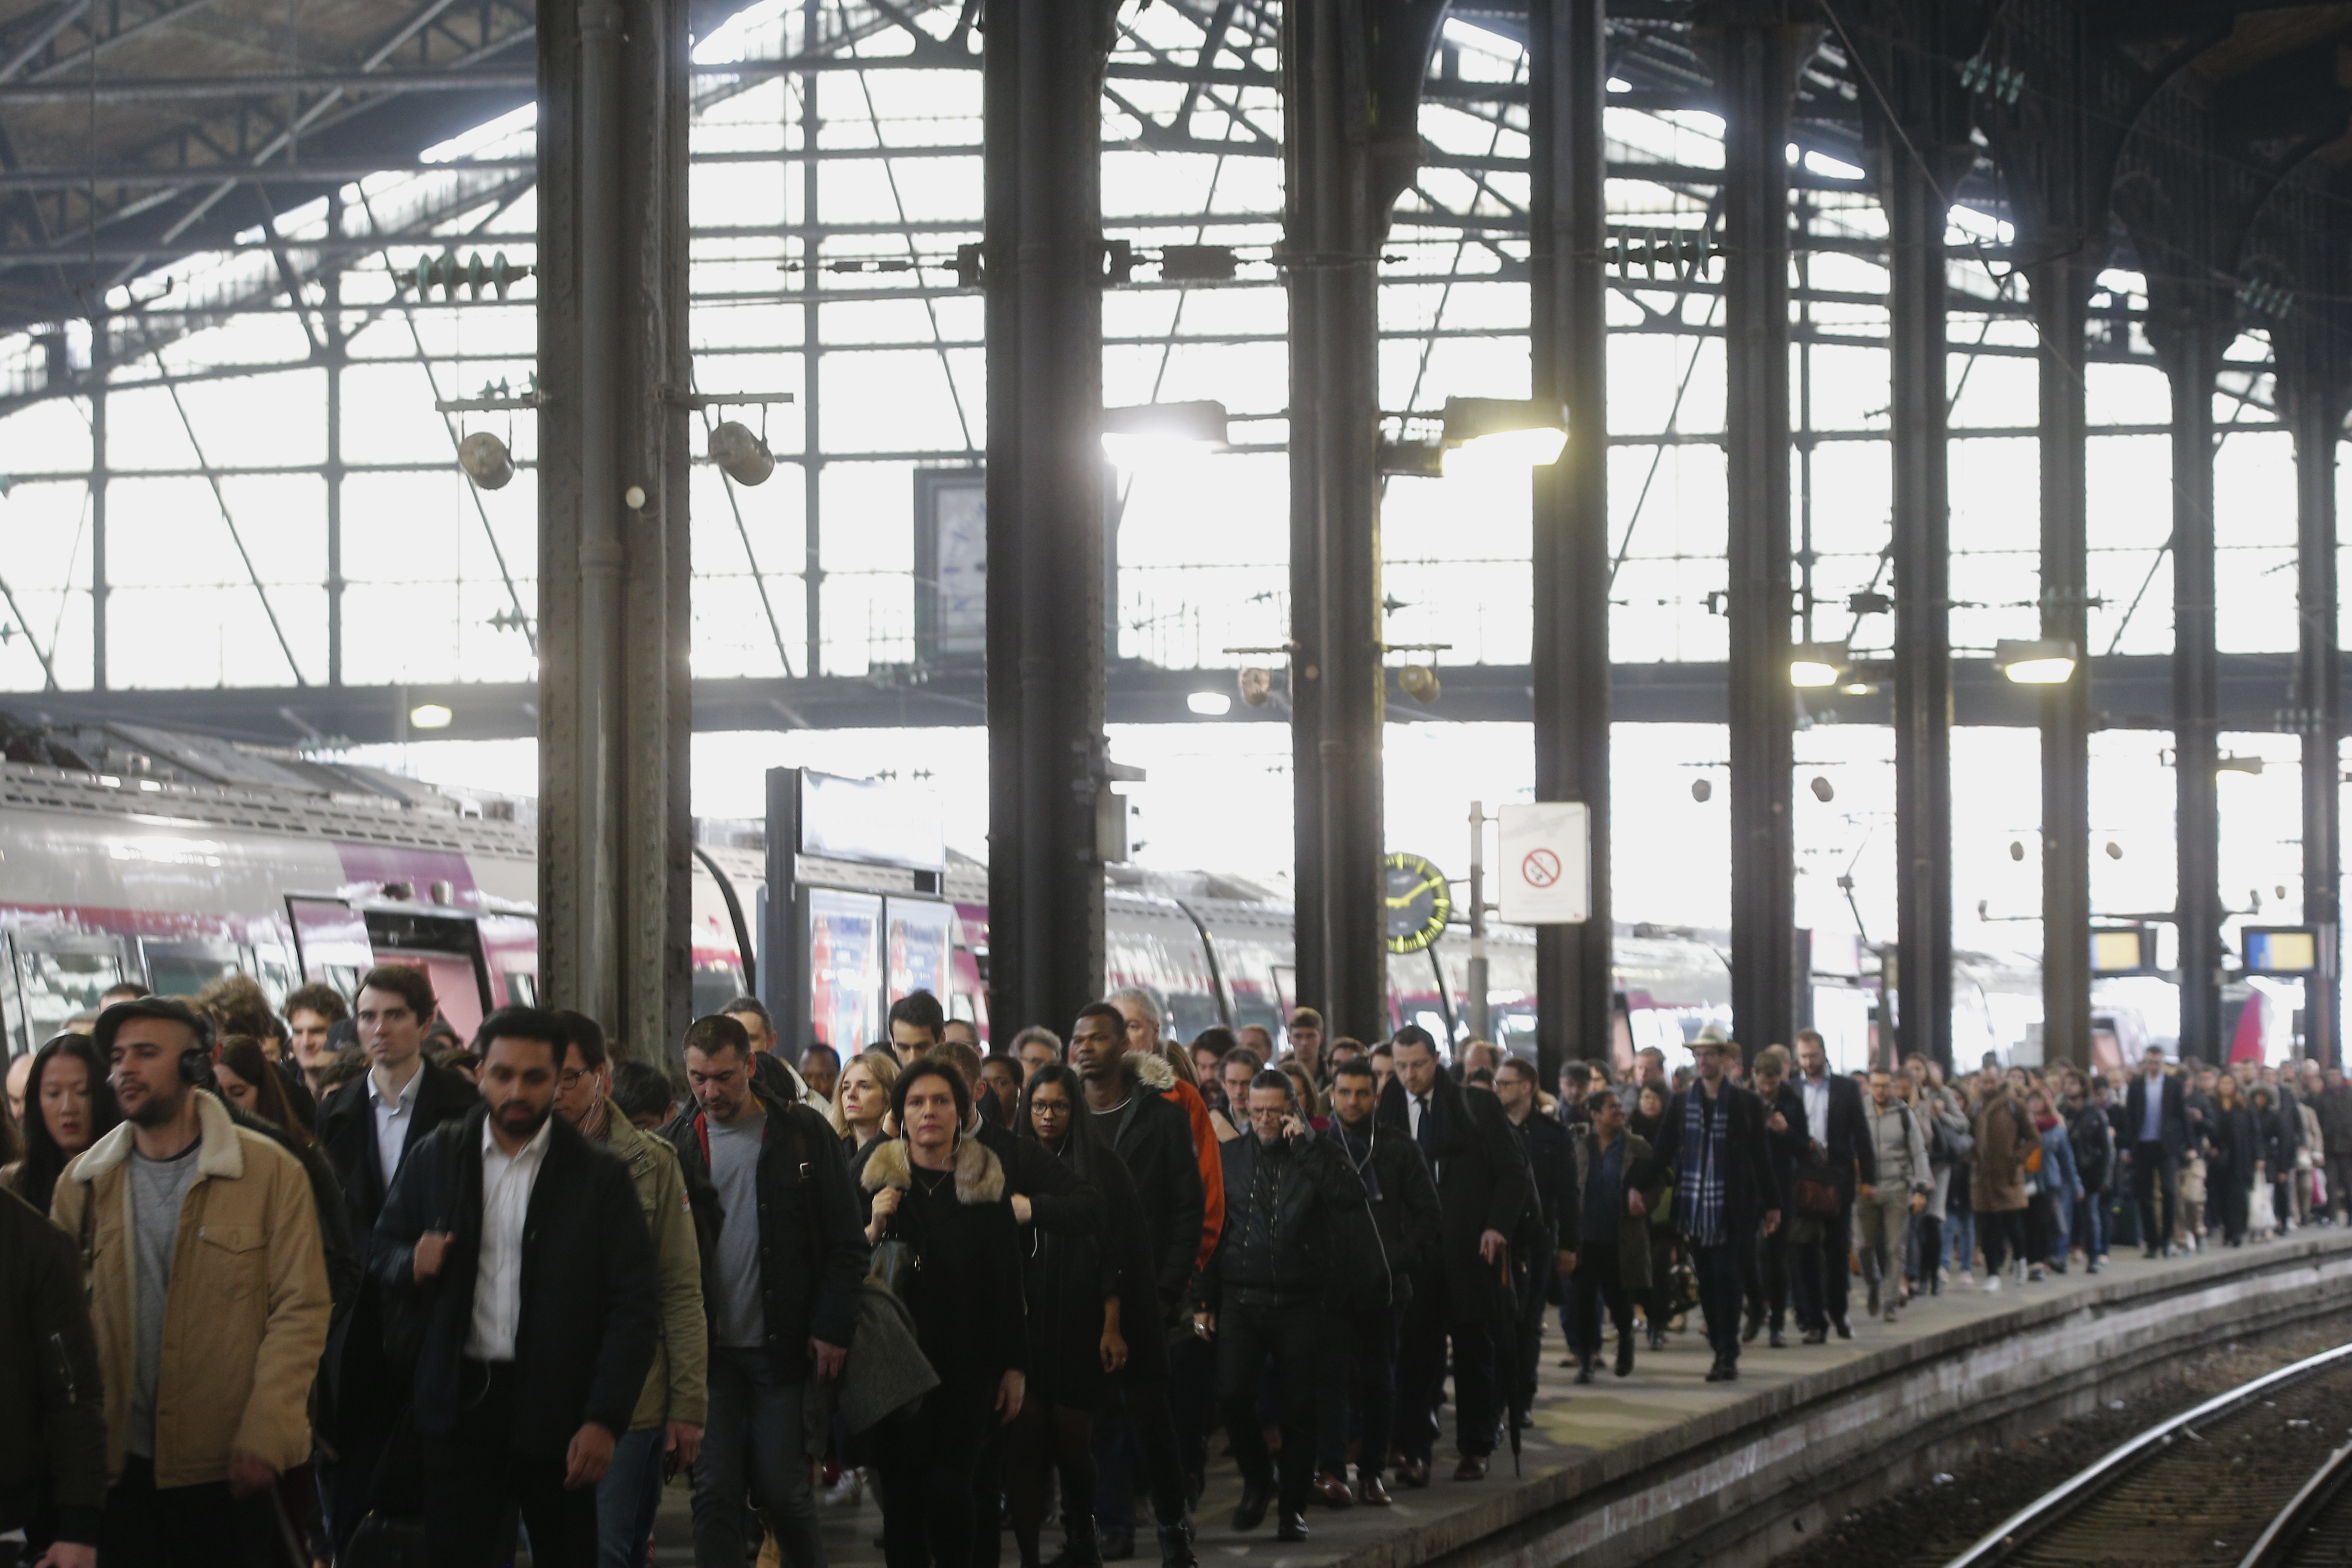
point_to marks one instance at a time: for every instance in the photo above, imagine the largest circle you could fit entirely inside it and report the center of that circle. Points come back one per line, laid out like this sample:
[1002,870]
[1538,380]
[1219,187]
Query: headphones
[194,1067]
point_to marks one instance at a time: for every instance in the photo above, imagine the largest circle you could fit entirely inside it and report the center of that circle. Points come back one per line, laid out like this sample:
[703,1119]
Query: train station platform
[1664,1466]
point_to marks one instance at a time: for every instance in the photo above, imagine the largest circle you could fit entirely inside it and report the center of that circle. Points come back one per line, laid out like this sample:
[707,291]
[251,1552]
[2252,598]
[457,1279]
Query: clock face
[1419,903]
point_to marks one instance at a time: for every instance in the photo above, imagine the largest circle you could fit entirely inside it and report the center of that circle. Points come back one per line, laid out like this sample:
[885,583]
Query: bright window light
[2035,661]
[1210,704]
[1817,664]
[429,716]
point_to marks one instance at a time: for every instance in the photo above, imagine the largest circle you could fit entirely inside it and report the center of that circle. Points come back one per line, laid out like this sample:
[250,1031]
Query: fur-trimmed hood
[978,1176]
[1152,1070]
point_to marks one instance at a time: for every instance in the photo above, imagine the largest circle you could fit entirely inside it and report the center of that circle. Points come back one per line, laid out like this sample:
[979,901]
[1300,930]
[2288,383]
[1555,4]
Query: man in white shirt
[525,1248]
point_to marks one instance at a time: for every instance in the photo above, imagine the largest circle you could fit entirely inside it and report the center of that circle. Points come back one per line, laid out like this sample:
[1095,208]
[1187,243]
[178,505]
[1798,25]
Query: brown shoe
[1413,1473]
[1333,1490]
[1370,1492]
[1473,1468]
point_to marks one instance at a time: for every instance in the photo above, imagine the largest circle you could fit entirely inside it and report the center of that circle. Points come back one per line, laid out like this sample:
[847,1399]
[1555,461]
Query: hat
[1306,1018]
[111,1022]
[1712,1035]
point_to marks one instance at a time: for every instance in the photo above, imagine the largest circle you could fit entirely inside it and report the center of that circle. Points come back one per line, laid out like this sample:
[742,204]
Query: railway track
[2260,1477]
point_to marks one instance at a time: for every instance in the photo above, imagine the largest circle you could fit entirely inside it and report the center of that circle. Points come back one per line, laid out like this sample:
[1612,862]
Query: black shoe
[1176,1545]
[1116,1546]
[1589,1370]
[1251,1512]
[1721,1371]
[1844,1329]
[2093,1266]
[1873,1302]
[1293,1526]
[1084,1548]
[1815,1336]
[1624,1355]
[1657,1339]
[2147,1252]
[1752,1327]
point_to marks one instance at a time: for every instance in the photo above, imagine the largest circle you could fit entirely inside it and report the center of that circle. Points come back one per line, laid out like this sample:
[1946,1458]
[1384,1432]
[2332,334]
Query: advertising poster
[845,932]
[921,948]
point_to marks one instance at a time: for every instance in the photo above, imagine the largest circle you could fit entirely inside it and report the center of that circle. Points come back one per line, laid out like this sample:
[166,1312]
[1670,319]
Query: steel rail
[2277,1544]
[2052,1507]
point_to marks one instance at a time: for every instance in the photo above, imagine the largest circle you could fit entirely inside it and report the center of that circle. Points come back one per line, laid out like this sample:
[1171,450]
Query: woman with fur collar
[944,1195]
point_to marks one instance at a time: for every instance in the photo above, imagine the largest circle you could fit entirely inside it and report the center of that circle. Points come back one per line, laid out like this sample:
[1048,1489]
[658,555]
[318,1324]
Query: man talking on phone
[1261,1293]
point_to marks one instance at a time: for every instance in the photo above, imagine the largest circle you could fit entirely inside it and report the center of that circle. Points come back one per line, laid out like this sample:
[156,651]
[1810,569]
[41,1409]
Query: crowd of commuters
[338,1289]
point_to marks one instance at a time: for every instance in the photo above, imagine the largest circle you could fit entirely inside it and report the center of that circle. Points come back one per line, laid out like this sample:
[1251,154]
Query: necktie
[1424,1132]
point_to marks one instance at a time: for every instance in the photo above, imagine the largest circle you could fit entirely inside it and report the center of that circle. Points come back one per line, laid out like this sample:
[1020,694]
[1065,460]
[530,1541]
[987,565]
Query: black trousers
[2001,1233]
[474,1478]
[1421,1377]
[1821,1280]
[1717,1268]
[1358,1388]
[1525,1352]
[927,1462]
[1598,1278]
[2152,1168]
[183,1527]
[1293,1334]
[1764,1276]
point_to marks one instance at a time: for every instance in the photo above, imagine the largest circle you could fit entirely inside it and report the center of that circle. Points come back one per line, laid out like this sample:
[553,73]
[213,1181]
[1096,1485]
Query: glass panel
[59,979]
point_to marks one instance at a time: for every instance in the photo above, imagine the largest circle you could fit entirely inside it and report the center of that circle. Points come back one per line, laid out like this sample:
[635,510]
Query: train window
[184,968]
[58,978]
[1190,1012]
[715,987]
[522,988]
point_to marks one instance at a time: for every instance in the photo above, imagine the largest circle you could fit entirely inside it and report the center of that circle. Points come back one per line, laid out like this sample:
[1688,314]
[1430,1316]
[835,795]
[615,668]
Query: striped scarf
[1698,1179]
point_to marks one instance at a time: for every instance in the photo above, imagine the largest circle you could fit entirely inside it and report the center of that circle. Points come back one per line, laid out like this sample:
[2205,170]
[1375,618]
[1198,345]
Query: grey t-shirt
[158,1187]
[735,1171]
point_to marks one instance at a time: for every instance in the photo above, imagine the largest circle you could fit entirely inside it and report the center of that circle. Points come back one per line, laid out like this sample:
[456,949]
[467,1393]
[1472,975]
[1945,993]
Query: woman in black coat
[944,1196]
[1079,1287]
[2277,1140]
[2233,1145]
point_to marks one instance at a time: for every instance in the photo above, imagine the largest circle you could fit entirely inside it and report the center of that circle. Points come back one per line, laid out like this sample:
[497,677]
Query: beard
[517,1119]
[158,1108]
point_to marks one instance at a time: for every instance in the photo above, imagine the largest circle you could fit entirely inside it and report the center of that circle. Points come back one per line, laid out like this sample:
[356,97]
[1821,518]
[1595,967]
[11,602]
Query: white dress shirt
[498,1280]
[391,1120]
[1816,1095]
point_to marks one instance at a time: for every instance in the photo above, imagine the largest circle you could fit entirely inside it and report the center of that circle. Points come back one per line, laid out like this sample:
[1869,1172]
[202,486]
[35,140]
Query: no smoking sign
[1547,860]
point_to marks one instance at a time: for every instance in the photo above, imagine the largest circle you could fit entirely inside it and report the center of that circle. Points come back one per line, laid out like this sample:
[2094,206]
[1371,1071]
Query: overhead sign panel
[1547,863]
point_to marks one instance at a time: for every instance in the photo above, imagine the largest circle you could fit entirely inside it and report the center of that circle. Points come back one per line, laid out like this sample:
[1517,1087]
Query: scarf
[2045,1122]
[1698,1181]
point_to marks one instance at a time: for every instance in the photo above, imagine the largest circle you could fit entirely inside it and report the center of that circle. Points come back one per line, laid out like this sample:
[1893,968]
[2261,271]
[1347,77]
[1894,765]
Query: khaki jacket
[676,1389]
[245,1319]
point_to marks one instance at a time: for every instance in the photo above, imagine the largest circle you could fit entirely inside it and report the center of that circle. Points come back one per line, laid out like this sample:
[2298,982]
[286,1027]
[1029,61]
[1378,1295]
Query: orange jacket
[1212,1167]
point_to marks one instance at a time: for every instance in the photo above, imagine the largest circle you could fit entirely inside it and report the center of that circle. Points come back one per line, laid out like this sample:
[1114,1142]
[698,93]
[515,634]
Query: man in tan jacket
[208,1292]
[669,1413]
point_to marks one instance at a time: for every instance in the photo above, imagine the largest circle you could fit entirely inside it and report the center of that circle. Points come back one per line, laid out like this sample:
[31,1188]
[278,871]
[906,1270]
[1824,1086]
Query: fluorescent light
[1210,704]
[2035,661]
[1815,664]
[1619,84]
[429,716]
[1503,433]
[1504,450]
[1158,431]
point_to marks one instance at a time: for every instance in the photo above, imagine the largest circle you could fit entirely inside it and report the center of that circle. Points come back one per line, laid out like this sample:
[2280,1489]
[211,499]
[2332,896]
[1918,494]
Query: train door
[447,948]
[59,974]
[331,942]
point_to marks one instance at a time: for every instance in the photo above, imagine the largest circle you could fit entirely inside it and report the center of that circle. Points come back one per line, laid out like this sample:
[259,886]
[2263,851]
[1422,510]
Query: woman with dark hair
[2232,1151]
[943,1196]
[249,1081]
[68,1106]
[1078,1342]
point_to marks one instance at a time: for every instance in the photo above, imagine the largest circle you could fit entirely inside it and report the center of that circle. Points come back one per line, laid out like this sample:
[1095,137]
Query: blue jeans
[2091,1225]
[1961,1232]
[754,1431]
[626,1498]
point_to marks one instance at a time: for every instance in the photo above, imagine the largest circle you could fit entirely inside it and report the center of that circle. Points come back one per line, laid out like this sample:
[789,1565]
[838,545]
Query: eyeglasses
[572,1076]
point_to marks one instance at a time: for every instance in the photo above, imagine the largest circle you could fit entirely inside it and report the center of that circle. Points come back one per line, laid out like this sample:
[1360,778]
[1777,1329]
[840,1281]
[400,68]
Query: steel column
[100,364]
[2190,345]
[2060,287]
[615,838]
[1568,77]
[1041,76]
[1917,213]
[1758,52]
[337,354]
[1351,75]
[811,364]
[2315,395]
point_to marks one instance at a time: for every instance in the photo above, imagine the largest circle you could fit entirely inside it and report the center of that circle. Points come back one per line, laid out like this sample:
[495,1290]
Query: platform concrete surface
[1573,1424]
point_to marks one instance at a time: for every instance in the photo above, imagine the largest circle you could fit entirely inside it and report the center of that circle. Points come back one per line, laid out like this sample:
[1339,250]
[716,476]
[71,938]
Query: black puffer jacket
[1281,1202]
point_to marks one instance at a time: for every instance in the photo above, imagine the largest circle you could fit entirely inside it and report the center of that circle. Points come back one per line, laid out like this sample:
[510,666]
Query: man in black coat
[1547,1235]
[1713,1147]
[523,1250]
[367,1127]
[1833,1118]
[1484,1188]
[1360,1375]
[1764,1271]
[1153,1137]
[783,1255]
[2156,1130]
[1261,1294]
